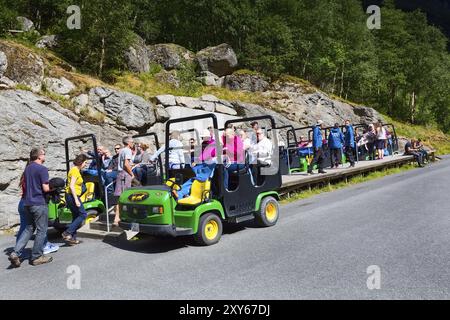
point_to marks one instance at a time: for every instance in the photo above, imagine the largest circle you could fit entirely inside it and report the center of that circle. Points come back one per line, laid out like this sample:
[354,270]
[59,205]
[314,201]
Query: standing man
[349,145]
[335,143]
[124,172]
[317,147]
[36,181]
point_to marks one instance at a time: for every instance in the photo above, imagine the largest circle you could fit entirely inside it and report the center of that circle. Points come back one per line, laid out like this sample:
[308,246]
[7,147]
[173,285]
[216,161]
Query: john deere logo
[137,197]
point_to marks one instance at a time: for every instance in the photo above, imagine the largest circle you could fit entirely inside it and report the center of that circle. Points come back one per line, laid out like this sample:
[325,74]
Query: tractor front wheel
[209,229]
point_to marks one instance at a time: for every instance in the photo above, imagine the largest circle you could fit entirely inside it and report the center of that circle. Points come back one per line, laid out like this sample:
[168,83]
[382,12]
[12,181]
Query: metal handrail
[108,229]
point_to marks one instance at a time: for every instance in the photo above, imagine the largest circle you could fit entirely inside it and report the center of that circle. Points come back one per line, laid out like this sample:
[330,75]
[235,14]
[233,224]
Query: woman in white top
[381,140]
[176,154]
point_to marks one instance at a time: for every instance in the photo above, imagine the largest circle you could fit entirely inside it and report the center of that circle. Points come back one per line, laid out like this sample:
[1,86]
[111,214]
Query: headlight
[157,210]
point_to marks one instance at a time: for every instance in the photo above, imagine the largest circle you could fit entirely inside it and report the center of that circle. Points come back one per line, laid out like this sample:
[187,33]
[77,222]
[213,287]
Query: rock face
[25,24]
[47,42]
[170,56]
[60,86]
[23,67]
[137,56]
[248,82]
[254,110]
[210,79]
[220,60]
[126,109]
[3,63]
[29,120]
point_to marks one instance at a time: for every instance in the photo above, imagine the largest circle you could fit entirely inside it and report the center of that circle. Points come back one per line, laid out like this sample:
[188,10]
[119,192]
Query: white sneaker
[50,247]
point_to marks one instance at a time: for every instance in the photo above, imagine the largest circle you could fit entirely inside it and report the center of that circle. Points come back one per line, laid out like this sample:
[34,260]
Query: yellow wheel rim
[211,230]
[271,212]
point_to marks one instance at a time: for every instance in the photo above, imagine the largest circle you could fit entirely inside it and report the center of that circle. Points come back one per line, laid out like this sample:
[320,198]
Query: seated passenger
[263,150]
[234,157]
[140,168]
[176,154]
[419,146]
[110,174]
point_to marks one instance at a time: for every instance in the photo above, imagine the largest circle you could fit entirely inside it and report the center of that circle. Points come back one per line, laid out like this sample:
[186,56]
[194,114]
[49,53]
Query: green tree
[105,34]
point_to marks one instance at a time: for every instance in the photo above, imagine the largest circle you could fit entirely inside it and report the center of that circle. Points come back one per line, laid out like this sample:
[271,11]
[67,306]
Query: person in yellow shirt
[74,190]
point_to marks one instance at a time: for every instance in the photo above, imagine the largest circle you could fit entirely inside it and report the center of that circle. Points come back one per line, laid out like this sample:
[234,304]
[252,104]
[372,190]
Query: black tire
[209,225]
[268,214]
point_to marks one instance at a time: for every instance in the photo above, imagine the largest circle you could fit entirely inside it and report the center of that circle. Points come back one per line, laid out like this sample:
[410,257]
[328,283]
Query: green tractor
[251,193]
[93,198]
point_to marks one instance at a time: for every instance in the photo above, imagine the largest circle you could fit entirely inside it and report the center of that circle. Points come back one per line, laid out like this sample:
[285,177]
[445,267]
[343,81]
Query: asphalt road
[320,249]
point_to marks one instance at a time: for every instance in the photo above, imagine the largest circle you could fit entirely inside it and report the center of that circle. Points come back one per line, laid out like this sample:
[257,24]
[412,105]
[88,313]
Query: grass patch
[339,185]
[24,87]
[430,135]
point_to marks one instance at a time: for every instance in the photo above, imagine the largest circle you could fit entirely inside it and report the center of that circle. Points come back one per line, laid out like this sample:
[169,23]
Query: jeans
[79,214]
[141,174]
[110,177]
[226,173]
[23,223]
[35,217]
[185,189]
[349,152]
[417,156]
[318,159]
[336,157]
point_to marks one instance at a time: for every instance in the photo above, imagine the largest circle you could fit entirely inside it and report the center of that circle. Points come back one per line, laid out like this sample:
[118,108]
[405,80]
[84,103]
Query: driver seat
[200,191]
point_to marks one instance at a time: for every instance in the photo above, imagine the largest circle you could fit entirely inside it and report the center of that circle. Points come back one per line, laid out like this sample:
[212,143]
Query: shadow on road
[143,243]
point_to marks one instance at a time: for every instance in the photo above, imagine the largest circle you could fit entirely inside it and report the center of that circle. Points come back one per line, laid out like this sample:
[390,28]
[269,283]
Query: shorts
[381,144]
[123,181]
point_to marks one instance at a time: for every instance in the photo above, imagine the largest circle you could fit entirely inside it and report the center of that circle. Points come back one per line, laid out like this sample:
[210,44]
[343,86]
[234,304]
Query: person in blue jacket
[317,148]
[336,143]
[349,144]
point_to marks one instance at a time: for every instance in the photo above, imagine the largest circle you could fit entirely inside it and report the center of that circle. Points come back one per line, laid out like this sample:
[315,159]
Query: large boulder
[210,79]
[170,56]
[47,42]
[126,109]
[61,86]
[137,56]
[161,114]
[221,60]
[166,100]
[23,67]
[3,63]
[247,81]
[25,24]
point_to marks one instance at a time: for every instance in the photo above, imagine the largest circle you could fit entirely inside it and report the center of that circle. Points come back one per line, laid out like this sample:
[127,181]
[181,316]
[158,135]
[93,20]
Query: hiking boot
[14,259]
[322,171]
[41,260]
